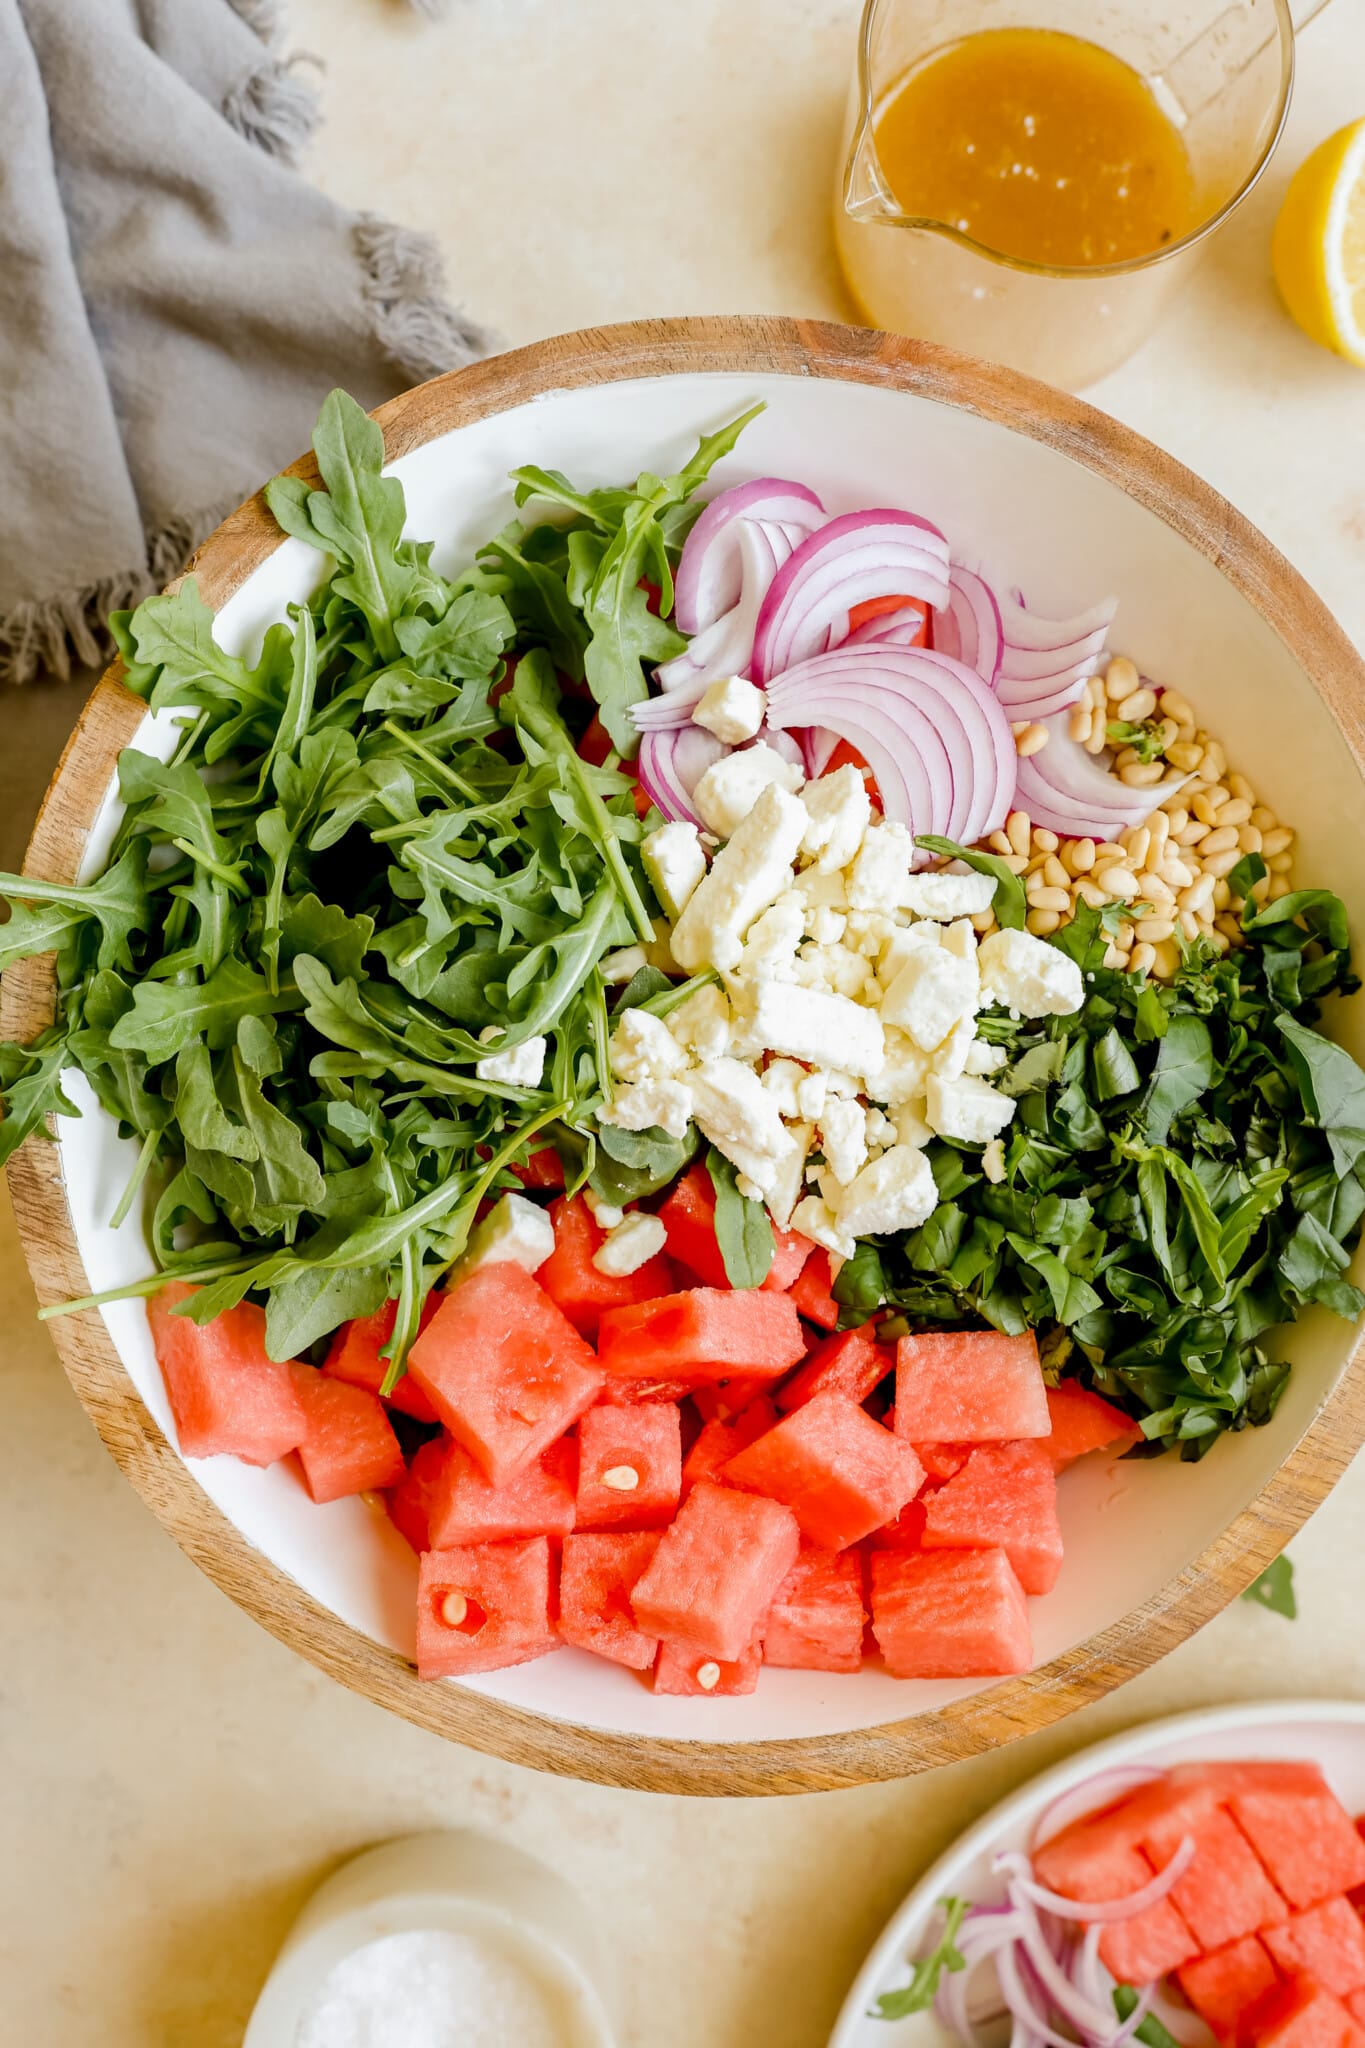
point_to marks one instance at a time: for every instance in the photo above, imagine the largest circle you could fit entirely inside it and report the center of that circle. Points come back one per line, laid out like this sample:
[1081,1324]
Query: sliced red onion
[1105,1789]
[1066,790]
[1102,1912]
[1046,663]
[818,744]
[725,646]
[969,626]
[671,764]
[860,556]
[710,573]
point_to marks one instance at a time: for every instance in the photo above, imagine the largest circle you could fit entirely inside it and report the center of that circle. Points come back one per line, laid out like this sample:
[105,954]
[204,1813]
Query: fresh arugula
[397,865]
[1151,2032]
[743,1232]
[1275,1589]
[922,1989]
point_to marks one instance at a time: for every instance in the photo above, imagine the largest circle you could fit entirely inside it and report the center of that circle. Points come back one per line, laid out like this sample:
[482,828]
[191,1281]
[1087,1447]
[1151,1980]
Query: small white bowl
[450,1882]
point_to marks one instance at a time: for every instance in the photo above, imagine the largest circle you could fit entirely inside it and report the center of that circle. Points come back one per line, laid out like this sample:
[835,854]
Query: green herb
[1275,1589]
[1147,738]
[1009,902]
[284,982]
[923,1986]
[1151,2032]
[743,1232]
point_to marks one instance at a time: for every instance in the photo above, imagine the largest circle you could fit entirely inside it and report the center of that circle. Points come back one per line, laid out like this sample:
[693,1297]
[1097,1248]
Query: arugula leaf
[1275,1589]
[922,1989]
[743,1232]
[1009,902]
[1151,2032]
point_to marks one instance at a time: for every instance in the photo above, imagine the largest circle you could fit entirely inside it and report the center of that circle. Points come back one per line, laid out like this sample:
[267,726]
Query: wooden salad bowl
[1300,689]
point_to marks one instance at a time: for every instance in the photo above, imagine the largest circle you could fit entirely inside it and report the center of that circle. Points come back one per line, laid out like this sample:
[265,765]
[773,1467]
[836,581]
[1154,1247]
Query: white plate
[1329,1733]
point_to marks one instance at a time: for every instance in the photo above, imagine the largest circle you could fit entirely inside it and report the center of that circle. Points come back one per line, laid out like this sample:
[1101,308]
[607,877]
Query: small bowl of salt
[445,1940]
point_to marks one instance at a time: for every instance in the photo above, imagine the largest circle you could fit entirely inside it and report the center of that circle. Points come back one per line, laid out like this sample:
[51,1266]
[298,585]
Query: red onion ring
[862,555]
[725,646]
[670,765]
[1097,1793]
[710,572]
[1098,1912]
[1045,663]
[970,626]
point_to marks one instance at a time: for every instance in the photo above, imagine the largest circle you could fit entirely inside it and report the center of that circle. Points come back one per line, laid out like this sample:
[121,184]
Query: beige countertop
[174,1781]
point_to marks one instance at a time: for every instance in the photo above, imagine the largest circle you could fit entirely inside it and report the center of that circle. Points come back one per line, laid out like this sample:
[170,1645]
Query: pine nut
[1049,899]
[1264,818]
[1114,958]
[1044,841]
[1142,774]
[1205,805]
[1091,893]
[1152,929]
[983,922]
[1083,856]
[454,1608]
[1222,894]
[1030,741]
[1177,707]
[1109,850]
[1278,863]
[1015,862]
[1137,844]
[1098,738]
[1042,922]
[1228,926]
[1249,838]
[1278,839]
[1209,770]
[1158,825]
[1151,889]
[1167,961]
[1080,722]
[708,1676]
[1035,864]
[1123,938]
[998,843]
[1117,883]
[1223,840]
[1143,959]
[1189,924]
[1220,863]
[1236,811]
[1278,887]
[1120,679]
[1240,787]
[1018,831]
[1191,834]
[1054,874]
[1184,755]
[1167,731]
[1140,705]
[1177,816]
[1198,896]
[1260,891]
[621,1478]
[1127,757]
[1213,752]
[1176,874]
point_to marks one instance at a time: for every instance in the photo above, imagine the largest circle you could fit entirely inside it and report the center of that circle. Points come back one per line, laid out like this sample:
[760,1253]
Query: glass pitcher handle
[1219,53]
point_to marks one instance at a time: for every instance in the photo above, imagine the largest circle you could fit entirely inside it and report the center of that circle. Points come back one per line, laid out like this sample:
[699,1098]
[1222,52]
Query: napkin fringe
[412,320]
[274,108]
[266,17]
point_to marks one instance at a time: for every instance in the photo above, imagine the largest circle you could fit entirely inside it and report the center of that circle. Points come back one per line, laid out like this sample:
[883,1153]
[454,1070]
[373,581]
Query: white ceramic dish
[1330,1733]
[1045,495]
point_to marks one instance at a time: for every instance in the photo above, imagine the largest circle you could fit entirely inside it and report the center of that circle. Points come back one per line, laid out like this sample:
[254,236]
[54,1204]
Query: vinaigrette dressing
[1039,145]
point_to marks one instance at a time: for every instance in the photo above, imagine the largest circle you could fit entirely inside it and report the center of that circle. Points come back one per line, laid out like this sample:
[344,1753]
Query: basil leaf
[743,1231]
[1009,902]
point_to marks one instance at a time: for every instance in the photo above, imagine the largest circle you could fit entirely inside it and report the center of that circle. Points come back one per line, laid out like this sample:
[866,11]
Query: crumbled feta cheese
[966,1108]
[901,942]
[617,968]
[522,1067]
[839,810]
[843,1136]
[933,991]
[750,1189]
[650,1105]
[911,1129]
[644,1049]
[634,1241]
[894,1191]
[770,947]
[946,896]
[732,1109]
[993,1161]
[867,931]
[783,1079]
[514,1232]
[789,1179]
[880,1129]
[745,877]
[881,872]
[810,1094]
[985,1058]
[839,1083]
[605,1214]
[675,863]
[960,940]
[951,1057]
[903,1072]
[814,1218]
[827,926]
[811,1025]
[702,1023]
[1026,974]
[728,790]
[732,708]
[836,969]
[821,892]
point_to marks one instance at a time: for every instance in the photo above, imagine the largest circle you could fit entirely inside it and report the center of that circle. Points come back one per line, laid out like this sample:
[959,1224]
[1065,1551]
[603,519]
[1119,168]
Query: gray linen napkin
[175,301]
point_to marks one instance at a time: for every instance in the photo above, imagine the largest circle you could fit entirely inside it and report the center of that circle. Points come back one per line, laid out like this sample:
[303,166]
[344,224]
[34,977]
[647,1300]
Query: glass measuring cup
[1221,73]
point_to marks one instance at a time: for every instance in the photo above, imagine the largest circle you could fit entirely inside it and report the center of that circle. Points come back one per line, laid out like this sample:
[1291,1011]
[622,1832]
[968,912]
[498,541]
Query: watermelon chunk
[705,1333]
[409,1502]
[685,1671]
[484,1606]
[818,1618]
[850,1363]
[1355,2006]
[905,1533]
[466,1507]
[1095,1861]
[811,1292]
[717,1571]
[1005,1496]
[598,1576]
[354,1357]
[719,1441]
[1297,1826]
[969,1386]
[948,1614]
[841,1474]
[572,1281]
[726,1400]
[1326,1943]
[1300,2015]
[348,1441]
[226,1394]
[544,1169]
[790,1253]
[1223,1987]
[1082,1421]
[629,1467]
[1224,1894]
[504,1370]
[943,1461]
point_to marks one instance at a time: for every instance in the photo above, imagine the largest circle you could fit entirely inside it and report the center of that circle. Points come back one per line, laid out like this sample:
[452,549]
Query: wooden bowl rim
[1013,1707]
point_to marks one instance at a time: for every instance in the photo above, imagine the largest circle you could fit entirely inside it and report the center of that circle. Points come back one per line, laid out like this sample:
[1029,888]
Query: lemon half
[1318,250]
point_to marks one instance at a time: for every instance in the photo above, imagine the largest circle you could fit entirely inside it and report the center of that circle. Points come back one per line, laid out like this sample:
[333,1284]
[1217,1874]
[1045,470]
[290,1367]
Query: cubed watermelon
[355,1357]
[504,1370]
[818,1618]
[226,1394]
[969,1386]
[851,1363]
[484,1606]
[1326,1943]
[1004,1497]
[688,1672]
[572,1281]
[1224,1894]
[466,1507]
[1355,2006]
[942,1461]
[409,1502]
[841,1474]
[1299,2015]
[1093,1861]
[717,1571]
[905,1533]
[727,1399]
[948,1614]
[1223,1987]
[812,1292]
[544,1169]
[598,1576]
[348,1441]
[629,1467]
[635,1393]
[790,1253]
[1297,1826]
[705,1333]
[1082,1421]
[719,1441]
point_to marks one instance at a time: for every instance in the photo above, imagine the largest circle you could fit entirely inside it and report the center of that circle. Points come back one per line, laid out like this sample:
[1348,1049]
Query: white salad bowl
[1046,494]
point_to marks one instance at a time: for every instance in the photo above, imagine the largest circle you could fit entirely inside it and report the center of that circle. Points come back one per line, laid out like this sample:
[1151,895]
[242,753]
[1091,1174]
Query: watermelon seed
[458,1611]
[621,1479]
[708,1677]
